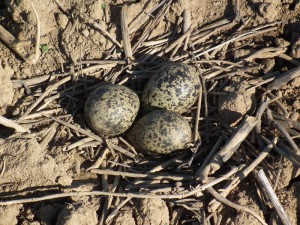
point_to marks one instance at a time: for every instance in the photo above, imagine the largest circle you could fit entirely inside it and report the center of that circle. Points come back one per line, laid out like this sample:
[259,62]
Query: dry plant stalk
[284,78]
[230,147]
[9,123]
[187,22]
[80,130]
[213,205]
[125,33]
[225,201]
[270,193]
[140,175]
[100,159]
[180,195]
[40,99]
[10,41]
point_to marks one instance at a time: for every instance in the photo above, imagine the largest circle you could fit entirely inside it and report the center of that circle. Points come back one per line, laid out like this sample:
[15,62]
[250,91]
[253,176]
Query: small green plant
[44,48]
[103,5]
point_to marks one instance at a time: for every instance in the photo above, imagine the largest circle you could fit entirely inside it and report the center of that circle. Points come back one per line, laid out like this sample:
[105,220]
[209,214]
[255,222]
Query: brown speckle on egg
[111,109]
[175,87]
[160,132]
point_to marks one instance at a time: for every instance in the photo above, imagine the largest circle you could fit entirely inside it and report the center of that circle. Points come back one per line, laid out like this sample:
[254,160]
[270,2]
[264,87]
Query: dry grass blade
[114,212]
[78,143]
[265,53]
[97,26]
[270,193]
[246,35]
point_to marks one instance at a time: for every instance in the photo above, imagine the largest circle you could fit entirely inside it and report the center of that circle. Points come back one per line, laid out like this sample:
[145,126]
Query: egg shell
[160,132]
[111,109]
[174,87]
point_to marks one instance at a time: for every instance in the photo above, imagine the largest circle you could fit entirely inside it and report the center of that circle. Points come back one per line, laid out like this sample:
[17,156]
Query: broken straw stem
[270,193]
[9,123]
[230,147]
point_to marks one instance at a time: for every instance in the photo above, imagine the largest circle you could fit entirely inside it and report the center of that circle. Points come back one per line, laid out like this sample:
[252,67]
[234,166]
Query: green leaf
[103,5]
[44,48]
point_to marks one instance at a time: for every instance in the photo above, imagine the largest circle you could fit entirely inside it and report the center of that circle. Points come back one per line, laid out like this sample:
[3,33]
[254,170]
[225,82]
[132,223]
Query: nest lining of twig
[221,153]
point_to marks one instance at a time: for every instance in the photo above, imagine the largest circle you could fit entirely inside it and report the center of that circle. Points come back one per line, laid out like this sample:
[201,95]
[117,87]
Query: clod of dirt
[269,9]
[95,9]
[7,91]
[237,103]
[124,217]
[28,222]
[286,172]
[27,165]
[80,213]
[65,180]
[296,104]
[289,199]
[152,211]
[250,200]
[268,65]
[62,21]
[8,214]
[295,82]
[23,14]
[47,214]
[295,51]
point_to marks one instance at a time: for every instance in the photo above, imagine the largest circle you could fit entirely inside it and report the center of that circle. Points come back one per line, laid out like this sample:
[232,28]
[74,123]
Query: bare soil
[41,162]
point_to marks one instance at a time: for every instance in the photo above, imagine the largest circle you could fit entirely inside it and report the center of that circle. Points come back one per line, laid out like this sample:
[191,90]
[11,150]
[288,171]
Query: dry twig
[181,195]
[12,124]
[225,201]
[230,147]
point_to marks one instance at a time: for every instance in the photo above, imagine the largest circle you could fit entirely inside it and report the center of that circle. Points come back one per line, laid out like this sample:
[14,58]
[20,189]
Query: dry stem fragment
[125,33]
[284,78]
[243,174]
[183,194]
[230,147]
[9,123]
[270,193]
[13,43]
[233,205]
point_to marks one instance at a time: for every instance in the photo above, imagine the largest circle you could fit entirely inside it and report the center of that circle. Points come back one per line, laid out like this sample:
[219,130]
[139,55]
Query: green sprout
[103,5]
[44,48]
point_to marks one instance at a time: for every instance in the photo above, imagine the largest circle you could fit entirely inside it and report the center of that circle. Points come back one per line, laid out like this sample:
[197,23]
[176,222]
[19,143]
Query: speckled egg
[174,87]
[160,132]
[111,109]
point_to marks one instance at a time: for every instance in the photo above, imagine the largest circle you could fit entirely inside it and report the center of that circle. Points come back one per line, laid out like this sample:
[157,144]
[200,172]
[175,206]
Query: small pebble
[296,104]
[62,21]
[295,116]
[85,33]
